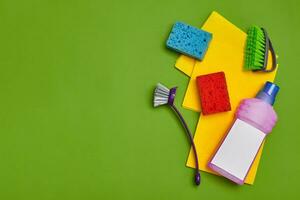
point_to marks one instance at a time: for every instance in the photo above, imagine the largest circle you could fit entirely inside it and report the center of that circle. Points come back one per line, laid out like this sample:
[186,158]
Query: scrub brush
[165,96]
[258,45]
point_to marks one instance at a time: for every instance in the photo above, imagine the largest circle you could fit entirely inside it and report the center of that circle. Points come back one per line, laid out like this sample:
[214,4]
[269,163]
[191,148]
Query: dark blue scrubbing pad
[189,40]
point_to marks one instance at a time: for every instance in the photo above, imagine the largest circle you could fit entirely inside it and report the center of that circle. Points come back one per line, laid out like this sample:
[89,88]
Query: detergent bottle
[254,120]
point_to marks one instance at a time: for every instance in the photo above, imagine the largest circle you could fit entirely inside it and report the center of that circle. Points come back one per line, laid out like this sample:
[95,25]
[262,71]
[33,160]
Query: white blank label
[239,149]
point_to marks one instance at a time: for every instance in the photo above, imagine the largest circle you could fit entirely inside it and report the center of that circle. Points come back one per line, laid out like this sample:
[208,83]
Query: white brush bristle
[161,95]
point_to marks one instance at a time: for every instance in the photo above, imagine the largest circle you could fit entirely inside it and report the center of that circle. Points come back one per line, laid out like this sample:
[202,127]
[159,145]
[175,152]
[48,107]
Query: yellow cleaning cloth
[225,53]
[185,64]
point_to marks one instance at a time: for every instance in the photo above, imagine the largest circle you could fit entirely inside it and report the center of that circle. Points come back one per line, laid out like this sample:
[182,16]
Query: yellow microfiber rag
[225,53]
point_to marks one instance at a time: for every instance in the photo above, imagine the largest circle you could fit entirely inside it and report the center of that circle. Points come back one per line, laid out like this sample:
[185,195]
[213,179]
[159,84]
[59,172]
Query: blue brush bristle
[189,40]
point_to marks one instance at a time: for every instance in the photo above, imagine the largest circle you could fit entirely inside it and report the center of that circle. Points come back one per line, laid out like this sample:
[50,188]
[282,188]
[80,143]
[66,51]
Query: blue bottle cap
[268,93]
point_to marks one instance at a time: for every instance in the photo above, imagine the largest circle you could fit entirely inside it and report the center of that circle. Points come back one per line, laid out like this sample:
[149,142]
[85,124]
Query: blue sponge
[189,40]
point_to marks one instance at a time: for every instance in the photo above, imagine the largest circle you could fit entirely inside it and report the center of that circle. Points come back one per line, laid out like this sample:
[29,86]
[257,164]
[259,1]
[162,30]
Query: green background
[76,115]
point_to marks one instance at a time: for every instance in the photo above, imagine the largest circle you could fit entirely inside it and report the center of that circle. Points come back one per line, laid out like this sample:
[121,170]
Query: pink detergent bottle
[255,119]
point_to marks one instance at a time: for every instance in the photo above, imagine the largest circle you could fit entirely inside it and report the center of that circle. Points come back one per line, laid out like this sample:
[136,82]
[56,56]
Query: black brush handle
[197,175]
[268,47]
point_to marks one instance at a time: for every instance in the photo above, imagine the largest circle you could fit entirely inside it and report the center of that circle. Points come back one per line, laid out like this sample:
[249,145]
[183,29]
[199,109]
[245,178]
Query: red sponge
[213,93]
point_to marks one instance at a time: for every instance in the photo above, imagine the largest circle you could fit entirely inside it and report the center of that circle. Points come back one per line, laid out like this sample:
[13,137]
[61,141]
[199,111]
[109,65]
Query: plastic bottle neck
[268,93]
[265,97]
